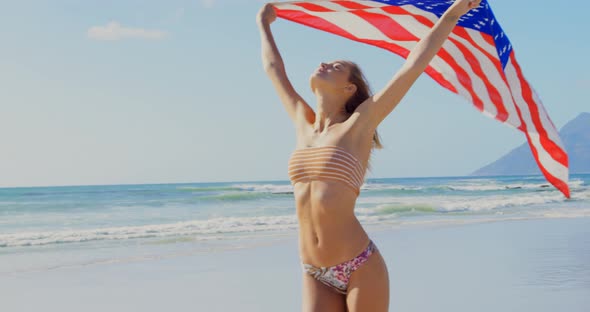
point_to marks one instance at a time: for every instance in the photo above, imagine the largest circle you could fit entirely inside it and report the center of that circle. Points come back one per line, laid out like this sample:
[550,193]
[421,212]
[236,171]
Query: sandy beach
[523,265]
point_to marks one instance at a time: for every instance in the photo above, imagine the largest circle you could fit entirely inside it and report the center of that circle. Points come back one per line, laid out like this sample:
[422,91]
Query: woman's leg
[318,297]
[368,287]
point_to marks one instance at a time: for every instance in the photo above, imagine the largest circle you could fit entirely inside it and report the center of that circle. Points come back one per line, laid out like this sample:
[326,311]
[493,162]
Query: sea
[33,218]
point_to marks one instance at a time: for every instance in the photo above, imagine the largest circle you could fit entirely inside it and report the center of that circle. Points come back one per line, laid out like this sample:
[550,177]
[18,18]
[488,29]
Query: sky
[132,92]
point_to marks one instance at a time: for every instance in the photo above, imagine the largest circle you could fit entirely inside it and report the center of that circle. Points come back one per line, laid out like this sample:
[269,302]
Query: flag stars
[478,19]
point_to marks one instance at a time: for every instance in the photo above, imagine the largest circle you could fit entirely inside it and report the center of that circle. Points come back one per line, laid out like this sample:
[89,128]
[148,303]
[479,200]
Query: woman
[343,269]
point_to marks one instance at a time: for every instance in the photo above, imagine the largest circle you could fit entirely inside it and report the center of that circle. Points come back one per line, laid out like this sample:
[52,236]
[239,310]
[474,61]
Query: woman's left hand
[461,7]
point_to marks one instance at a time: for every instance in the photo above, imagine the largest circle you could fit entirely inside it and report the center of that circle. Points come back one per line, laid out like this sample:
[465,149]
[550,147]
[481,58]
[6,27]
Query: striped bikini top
[326,163]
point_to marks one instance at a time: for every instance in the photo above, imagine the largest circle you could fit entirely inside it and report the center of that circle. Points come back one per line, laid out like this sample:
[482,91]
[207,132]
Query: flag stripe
[464,78]
[478,41]
[387,26]
[556,151]
[497,109]
[352,5]
[556,177]
[552,169]
[546,121]
[313,7]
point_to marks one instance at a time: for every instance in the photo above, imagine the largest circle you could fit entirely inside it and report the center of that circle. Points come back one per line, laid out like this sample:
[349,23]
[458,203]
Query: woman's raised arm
[273,65]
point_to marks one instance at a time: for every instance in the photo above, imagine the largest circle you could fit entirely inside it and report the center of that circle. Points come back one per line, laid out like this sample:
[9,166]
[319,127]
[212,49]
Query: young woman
[342,268]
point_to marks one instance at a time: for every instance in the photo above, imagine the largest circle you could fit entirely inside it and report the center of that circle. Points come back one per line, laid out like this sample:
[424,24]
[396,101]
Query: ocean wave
[497,187]
[195,227]
[266,188]
[581,195]
[207,188]
[477,185]
[456,203]
[386,187]
[576,183]
[496,202]
[236,196]
[239,192]
[388,209]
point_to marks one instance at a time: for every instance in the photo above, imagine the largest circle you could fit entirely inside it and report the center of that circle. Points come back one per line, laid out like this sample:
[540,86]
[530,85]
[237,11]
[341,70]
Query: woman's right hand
[461,7]
[267,14]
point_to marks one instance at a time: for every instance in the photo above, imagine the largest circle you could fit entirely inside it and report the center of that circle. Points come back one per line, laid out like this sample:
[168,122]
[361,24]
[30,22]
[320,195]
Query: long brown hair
[363,92]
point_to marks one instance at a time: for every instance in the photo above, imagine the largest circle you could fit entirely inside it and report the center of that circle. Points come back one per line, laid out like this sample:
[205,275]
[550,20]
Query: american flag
[477,62]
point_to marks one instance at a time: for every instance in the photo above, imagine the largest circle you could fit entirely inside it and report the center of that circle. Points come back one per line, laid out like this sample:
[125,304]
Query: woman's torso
[329,232]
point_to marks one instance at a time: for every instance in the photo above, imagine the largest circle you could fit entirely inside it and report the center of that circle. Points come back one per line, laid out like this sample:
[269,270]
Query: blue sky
[117,92]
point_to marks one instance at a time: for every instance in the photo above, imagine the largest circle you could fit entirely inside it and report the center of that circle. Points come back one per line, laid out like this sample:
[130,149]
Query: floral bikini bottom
[337,276]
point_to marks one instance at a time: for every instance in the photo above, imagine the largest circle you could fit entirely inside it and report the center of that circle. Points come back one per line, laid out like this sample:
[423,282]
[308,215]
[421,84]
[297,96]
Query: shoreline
[539,264]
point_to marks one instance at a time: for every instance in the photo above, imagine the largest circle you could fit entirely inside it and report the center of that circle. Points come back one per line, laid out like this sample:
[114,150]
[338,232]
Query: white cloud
[114,31]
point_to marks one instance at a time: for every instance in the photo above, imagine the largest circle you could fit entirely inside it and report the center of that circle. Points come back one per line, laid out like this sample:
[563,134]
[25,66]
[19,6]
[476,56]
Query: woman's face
[331,75]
